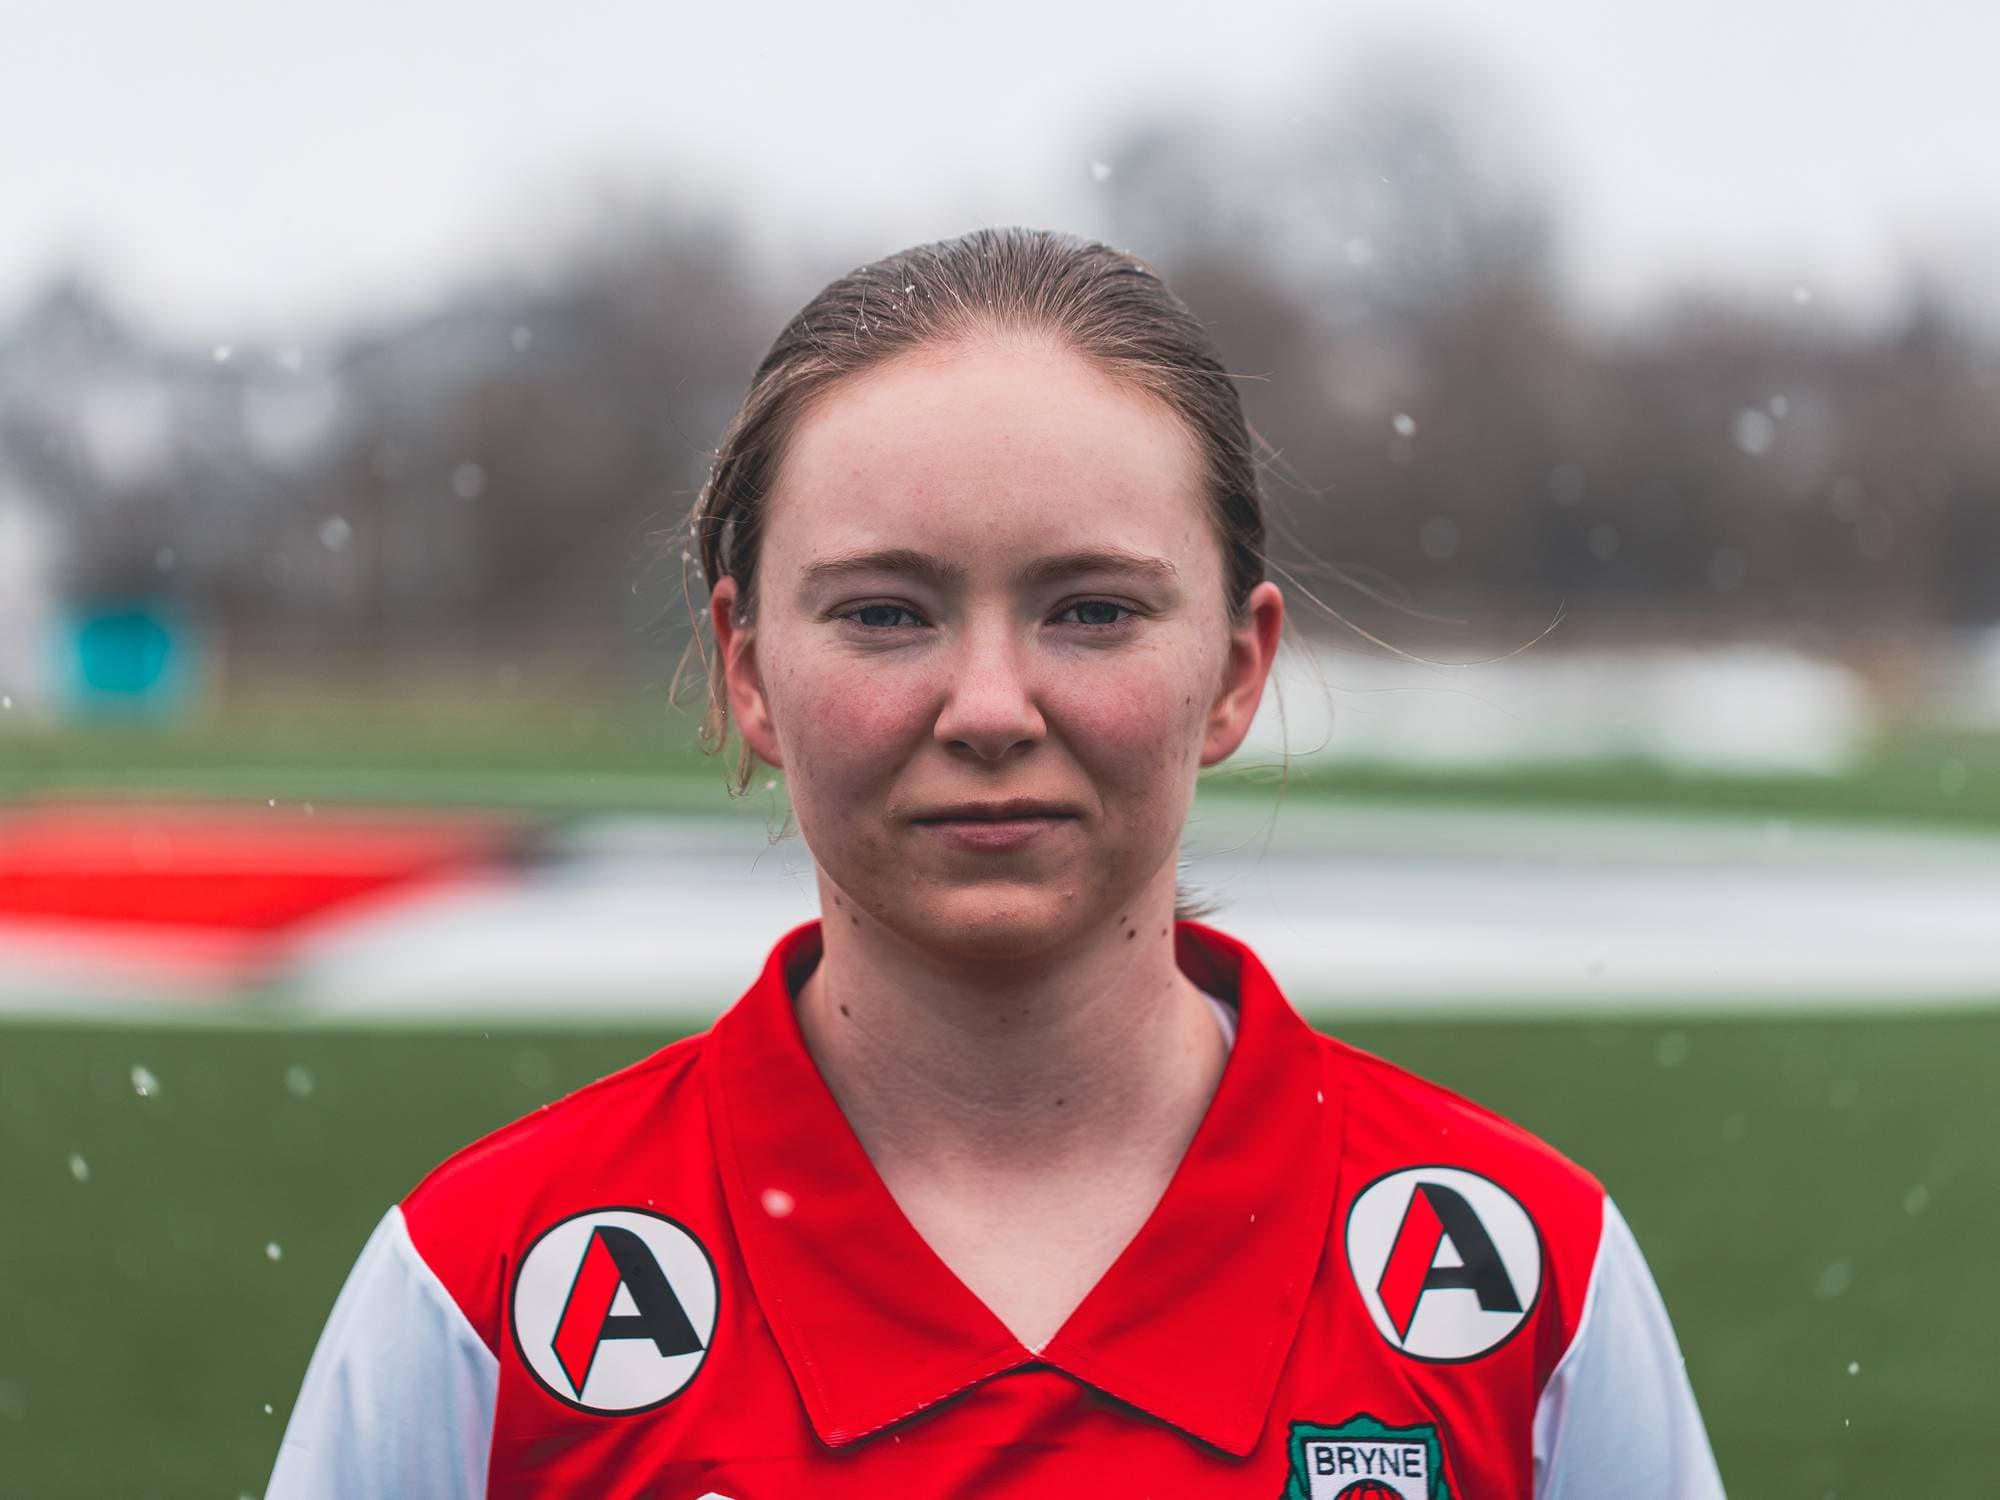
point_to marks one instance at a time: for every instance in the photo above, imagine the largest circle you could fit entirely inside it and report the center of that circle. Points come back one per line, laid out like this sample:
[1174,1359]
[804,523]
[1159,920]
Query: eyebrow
[941,573]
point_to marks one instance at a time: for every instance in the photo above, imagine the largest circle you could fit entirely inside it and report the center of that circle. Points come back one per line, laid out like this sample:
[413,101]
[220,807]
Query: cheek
[1137,726]
[841,721]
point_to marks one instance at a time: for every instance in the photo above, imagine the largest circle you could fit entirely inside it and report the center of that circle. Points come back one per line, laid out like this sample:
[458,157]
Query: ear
[1253,647]
[743,682]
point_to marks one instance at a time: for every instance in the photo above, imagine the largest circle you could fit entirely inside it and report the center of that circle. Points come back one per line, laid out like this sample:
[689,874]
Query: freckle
[845,1011]
[1058,1101]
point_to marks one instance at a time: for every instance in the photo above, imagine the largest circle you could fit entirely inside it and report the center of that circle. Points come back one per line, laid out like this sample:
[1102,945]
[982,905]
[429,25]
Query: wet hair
[1106,305]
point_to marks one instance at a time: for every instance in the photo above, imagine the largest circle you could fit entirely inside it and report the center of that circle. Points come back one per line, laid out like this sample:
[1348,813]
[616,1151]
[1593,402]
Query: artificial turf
[1819,1199]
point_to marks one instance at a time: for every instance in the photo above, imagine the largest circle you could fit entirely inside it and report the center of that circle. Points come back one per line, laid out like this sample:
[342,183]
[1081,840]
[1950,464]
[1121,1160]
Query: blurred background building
[1556,366]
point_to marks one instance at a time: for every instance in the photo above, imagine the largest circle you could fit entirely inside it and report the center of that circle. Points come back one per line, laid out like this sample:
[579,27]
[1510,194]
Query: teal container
[130,659]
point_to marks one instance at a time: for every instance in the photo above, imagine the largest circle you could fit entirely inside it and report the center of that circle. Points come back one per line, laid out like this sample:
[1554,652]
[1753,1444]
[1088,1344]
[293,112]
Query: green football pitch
[592,761]
[1819,1198]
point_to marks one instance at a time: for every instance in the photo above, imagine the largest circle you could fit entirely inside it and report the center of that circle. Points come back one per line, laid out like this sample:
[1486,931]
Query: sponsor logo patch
[614,1309]
[1447,1262]
[1363,1459]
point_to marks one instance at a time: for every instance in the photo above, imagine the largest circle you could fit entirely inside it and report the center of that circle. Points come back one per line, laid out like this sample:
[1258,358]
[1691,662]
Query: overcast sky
[235,170]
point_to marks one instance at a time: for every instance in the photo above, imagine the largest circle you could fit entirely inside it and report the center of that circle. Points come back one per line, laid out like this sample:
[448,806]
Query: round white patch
[614,1309]
[1447,1262]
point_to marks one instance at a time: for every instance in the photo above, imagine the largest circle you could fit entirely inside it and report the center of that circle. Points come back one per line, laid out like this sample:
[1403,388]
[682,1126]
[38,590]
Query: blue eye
[1104,615]
[1122,613]
[877,610]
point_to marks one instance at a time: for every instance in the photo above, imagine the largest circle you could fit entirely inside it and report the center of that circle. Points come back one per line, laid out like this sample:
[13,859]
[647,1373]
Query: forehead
[984,446]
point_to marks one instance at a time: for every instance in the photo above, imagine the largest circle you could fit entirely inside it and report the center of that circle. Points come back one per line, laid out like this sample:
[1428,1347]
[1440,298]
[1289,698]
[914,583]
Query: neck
[1101,1051]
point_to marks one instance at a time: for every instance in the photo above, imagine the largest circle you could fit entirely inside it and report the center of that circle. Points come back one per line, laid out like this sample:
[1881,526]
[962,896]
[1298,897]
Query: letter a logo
[1447,1262]
[614,1309]
[1438,1216]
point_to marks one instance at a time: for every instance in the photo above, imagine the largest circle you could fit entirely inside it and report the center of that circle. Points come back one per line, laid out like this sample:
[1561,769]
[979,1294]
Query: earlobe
[743,683]
[1253,648]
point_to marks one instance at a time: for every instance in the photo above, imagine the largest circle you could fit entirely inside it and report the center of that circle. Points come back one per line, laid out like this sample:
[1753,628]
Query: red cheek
[851,712]
[1134,708]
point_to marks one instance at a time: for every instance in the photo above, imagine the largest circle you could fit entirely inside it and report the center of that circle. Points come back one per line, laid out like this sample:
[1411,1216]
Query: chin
[993,922]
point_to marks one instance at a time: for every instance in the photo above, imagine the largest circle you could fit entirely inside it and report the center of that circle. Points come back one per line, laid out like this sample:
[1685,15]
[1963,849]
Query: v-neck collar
[1191,1323]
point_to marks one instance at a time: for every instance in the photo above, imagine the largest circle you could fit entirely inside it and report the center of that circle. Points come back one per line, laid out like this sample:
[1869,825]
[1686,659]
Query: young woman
[1005,1176]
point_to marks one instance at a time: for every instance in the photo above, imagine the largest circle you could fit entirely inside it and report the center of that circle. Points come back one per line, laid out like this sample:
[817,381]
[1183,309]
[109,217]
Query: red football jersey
[687,1280]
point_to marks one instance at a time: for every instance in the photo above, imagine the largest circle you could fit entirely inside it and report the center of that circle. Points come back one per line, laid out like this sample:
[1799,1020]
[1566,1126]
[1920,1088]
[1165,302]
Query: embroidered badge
[1363,1459]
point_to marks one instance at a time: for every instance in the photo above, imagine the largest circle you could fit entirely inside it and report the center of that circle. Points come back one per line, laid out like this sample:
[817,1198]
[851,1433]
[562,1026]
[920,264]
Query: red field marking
[228,868]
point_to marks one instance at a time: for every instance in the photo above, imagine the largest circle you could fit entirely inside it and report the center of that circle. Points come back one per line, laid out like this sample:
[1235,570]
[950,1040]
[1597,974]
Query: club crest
[1363,1459]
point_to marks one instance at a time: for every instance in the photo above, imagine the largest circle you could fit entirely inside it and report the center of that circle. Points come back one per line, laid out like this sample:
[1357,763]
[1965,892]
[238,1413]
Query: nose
[989,704]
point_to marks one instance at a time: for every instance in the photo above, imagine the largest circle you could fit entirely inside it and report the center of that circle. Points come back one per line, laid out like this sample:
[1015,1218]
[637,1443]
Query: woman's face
[987,574]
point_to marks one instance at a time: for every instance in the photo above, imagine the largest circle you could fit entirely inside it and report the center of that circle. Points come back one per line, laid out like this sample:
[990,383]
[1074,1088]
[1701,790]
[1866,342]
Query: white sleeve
[398,1399]
[1618,1416]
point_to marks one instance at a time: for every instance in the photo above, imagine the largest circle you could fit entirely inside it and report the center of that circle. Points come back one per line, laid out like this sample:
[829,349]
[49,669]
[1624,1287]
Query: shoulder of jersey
[1505,1197]
[1394,1111]
[471,1213]
[1397,1121]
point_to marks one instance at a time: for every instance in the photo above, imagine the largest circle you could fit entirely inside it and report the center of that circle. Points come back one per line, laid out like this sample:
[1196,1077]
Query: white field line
[1361,910]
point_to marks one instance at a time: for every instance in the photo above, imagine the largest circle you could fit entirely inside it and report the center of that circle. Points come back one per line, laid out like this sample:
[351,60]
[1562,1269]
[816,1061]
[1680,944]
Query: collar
[1191,1323]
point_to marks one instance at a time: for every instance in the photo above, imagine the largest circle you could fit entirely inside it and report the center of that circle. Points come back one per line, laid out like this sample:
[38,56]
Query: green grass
[587,758]
[1813,1193]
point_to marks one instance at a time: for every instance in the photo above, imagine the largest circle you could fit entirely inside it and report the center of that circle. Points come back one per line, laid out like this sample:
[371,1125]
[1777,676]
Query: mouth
[1014,810]
[997,823]
[996,827]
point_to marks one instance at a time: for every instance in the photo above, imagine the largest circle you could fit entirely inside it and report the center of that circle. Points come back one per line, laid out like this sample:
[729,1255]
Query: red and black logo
[614,1309]
[1447,1262]
[1439,1216]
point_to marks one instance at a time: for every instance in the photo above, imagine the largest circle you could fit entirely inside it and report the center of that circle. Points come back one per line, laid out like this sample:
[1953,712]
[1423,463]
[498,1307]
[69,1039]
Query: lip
[993,835]
[1011,809]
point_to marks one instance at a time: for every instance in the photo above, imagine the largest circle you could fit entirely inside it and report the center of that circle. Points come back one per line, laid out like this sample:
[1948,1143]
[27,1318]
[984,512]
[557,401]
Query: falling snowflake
[1755,431]
[1835,1279]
